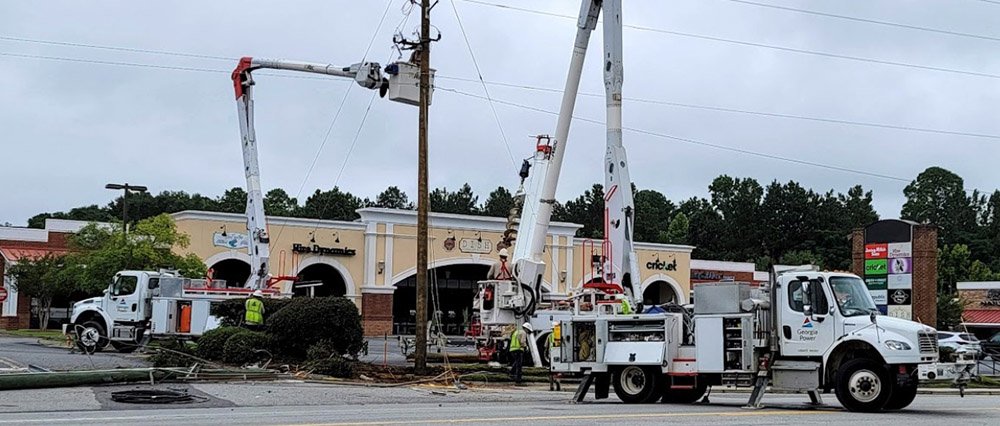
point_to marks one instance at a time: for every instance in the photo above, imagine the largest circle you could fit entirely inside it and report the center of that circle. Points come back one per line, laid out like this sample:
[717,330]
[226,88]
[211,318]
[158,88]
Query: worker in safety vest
[500,270]
[518,343]
[626,305]
[254,318]
[550,346]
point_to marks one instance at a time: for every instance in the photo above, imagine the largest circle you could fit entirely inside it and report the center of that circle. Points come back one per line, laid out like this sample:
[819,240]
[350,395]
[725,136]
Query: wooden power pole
[420,352]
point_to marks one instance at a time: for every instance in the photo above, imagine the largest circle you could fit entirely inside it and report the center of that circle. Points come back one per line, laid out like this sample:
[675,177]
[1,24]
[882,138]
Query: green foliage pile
[212,343]
[247,347]
[170,353]
[304,322]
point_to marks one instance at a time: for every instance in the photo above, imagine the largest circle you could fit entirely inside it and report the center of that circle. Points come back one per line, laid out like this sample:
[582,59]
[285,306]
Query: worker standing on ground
[254,318]
[500,270]
[518,342]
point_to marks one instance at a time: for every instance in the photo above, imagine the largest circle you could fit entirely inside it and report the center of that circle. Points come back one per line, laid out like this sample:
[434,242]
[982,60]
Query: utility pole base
[581,391]
[815,398]
[758,393]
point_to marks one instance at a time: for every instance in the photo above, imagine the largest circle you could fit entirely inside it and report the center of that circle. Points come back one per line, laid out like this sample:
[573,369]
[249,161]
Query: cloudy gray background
[69,128]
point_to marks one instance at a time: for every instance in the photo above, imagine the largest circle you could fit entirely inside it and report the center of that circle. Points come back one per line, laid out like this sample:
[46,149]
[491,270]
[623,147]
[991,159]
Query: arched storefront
[456,286]
[322,277]
[231,267]
[660,289]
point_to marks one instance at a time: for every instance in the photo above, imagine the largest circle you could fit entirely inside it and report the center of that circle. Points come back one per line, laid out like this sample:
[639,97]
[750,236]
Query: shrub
[212,344]
[304,322]
[172,354]
[321,350]
[246,347]
[231,312]
[336,367]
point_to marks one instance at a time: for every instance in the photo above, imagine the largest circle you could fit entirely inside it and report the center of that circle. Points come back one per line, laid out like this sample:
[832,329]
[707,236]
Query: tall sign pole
[420,352]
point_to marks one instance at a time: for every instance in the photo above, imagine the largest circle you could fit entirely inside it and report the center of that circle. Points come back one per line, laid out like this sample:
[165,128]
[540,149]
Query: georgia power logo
[806,323]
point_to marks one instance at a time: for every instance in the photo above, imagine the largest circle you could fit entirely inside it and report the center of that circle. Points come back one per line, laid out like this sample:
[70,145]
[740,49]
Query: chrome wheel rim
[90,336]
[865,385]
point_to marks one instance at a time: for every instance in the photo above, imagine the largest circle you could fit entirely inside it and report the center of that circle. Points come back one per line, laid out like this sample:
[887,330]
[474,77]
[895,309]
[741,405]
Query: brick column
[376,311]
[858,252]
[925,275]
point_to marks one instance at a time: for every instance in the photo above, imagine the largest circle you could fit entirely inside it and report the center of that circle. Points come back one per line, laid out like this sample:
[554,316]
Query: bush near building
[247,347]
[231,312]
[305,322]
[213,342]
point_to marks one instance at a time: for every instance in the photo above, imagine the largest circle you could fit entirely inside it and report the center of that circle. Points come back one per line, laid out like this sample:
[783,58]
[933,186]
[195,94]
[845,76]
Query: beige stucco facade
[378,252]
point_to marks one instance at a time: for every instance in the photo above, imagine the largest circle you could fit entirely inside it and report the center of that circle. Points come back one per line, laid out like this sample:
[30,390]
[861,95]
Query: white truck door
[802,335]
[125,298]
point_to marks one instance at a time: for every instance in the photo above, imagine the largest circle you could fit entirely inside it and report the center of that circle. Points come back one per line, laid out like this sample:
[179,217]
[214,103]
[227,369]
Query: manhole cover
[154,397]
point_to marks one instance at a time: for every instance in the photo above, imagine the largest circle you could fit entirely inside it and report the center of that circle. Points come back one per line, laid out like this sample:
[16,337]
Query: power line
[114,48]
[696,142]
[868,21]
[754,44]
[479,73]
[745,111]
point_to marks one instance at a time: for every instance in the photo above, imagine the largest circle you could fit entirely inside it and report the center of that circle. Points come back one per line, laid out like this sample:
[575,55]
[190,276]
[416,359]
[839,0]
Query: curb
[920,391]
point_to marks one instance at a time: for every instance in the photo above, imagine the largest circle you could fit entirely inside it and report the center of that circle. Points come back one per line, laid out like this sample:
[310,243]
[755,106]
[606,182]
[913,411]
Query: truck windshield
[852,296]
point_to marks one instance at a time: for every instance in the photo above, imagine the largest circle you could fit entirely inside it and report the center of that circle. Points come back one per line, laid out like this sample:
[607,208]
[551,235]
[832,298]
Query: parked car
[991,347]
[960,342]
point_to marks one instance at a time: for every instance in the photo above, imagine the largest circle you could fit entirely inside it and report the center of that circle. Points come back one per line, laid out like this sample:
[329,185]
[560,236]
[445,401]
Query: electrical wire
[866,20]
[741,111]
[694,141]
[755,44]
[115,48]
[486,89]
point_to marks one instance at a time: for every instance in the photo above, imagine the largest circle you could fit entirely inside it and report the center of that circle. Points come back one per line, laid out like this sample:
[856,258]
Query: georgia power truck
[806,331]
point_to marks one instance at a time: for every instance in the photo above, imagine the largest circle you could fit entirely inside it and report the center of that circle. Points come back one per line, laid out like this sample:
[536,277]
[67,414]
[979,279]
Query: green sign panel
[876,267]
[877,283]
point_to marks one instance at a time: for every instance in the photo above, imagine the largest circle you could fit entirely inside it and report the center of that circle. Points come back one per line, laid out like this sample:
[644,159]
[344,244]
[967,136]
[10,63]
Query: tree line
[741,219]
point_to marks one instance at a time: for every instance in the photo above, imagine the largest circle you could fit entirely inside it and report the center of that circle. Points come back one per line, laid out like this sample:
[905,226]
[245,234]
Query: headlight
[896,345]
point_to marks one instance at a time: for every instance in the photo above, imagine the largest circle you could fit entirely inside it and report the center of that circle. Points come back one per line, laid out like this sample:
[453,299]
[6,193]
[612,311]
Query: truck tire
[863,385]
[91,336]
[684,396]
[637,385]
[543,349]
[901,396]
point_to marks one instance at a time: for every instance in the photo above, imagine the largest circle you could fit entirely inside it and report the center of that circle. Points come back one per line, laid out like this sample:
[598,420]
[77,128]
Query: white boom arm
[366,74]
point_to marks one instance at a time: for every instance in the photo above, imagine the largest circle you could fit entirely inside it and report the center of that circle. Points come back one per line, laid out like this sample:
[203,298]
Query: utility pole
[127,188]
[424,53]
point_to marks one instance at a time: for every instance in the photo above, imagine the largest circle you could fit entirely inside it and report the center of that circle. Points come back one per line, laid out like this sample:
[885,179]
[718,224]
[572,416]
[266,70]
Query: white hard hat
[258,293]
[503,252]
[527,326]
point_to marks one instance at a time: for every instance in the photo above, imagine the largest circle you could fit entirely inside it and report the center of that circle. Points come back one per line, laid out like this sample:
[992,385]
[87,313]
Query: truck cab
[121,315]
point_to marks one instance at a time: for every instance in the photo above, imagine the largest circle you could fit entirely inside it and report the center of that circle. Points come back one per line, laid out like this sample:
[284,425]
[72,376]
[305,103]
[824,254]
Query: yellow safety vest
[515,341]
[626,307]
[255,311]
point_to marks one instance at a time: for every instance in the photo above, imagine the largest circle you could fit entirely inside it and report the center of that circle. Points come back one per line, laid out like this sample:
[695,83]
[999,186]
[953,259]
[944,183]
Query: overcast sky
[69,127]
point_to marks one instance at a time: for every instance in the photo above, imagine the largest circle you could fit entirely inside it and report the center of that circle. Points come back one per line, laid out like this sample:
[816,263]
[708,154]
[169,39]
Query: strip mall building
[372,261]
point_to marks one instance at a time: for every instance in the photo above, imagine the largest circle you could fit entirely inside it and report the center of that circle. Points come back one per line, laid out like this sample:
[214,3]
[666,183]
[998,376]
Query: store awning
[982,317]
[16,254]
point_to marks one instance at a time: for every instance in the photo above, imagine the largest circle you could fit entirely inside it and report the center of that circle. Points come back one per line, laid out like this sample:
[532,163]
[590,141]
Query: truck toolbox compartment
[635,353]
[795,375]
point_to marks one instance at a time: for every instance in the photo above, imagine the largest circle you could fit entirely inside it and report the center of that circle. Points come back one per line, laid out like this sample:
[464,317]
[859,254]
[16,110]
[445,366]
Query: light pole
[127,189]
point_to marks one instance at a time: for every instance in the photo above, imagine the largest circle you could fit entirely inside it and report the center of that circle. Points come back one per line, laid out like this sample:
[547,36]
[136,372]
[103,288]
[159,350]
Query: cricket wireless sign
[889,267]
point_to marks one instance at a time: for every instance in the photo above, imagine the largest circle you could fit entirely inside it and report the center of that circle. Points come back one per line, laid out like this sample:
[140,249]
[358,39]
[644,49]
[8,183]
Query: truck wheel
[91,336]
[637,385]
[684,396]
[902,396]
[863,385]
[543,350]
[125,347]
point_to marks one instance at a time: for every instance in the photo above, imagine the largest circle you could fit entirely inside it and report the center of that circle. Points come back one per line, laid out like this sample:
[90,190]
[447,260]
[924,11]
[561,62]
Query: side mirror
[808,311]
[106,291]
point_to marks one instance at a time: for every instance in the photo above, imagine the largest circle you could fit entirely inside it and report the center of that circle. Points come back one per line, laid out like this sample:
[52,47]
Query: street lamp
[127,189]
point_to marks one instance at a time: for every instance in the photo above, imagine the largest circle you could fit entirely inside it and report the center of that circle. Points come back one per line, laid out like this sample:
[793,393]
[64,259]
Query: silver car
[960,342]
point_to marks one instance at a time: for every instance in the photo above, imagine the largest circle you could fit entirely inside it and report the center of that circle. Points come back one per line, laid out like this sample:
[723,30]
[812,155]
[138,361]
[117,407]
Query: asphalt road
[340,405]
[20,352]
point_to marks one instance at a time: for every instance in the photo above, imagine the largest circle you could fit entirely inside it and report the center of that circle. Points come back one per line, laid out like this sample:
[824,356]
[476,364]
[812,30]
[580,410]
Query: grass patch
[53,335]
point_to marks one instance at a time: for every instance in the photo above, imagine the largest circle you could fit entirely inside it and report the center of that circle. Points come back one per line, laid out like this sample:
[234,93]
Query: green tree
[393,198]
[949,311]
[499,203]
[586,210]
[738,201]
[800,257]
[333,204]
[705,227]
[234,200]
[938,196]
[278,203]
[954,265]
[677,232]
[463,201]
[42,279]
[653,213]
[101,251]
